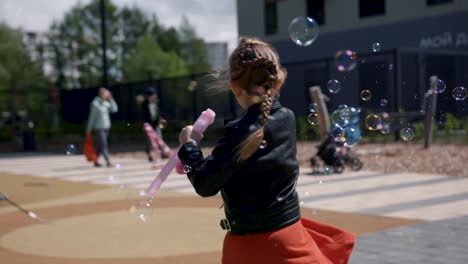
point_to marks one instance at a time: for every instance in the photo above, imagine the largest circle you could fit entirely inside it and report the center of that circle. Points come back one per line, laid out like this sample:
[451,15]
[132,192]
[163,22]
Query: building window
[271,17]
[369,8]
[316,10]
[438,2]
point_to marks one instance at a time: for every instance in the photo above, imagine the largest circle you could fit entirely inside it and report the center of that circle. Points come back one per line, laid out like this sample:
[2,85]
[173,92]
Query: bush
[305,131]
[451,124]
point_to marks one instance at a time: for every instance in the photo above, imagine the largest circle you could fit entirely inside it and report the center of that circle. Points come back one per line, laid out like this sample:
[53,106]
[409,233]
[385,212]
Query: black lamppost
[102,10]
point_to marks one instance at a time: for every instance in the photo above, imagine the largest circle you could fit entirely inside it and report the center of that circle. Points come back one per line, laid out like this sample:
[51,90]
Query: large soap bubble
[303,31]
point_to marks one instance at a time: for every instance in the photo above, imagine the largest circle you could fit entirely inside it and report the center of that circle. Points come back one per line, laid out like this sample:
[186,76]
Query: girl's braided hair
[254,67]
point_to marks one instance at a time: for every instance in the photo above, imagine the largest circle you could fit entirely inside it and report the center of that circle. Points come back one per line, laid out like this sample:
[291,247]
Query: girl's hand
[184,135]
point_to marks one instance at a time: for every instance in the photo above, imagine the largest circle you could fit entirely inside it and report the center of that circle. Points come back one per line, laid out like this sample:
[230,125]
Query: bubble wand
[204,120]
[30,214]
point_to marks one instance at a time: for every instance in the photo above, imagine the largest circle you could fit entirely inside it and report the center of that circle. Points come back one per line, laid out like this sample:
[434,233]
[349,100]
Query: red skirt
[304,242]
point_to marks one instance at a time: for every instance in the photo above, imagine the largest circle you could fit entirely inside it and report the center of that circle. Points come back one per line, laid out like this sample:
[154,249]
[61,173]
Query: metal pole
[103,42]
[430,110]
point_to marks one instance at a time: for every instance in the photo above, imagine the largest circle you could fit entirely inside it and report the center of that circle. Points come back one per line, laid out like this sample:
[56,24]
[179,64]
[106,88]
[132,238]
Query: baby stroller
[335,155]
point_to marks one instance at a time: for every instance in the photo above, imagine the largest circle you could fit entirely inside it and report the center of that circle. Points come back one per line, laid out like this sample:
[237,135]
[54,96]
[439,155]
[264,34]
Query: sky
[214,20]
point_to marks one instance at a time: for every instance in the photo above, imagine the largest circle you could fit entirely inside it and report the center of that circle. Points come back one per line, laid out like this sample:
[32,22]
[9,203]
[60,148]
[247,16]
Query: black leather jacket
[259,194]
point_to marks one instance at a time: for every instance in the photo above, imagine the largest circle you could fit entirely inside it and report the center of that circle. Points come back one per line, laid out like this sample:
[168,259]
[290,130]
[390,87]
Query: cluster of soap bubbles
[459,93]
[345,121]
[144,207]
[116,179]
[312,118]
[381,122]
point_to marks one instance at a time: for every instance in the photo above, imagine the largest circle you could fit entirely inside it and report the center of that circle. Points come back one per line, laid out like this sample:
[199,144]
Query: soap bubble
[376,47]
[352,136]
[345,111]
[70,150]
[390,67]
[306,194]
[313,118]
[383,102]
[373,122]
[459,93]
[406,134]
[303,31]
[338,120]
[385,128]
[313,107]
[263,144]
[301,203]
[354,120]
[337,133]
[345,60]
[326,170]
[187,169]
[438,86]
[163,123]
[115,178]
[366,95]
[334,86]
[145,209]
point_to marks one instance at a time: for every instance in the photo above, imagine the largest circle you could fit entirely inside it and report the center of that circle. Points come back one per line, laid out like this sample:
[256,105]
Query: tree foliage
[149,60]
[75,46]
[16,67]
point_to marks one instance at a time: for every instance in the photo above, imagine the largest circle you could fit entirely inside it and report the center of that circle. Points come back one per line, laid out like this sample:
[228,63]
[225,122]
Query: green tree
[193,48]
[16,67]
[149,60]
[75,44]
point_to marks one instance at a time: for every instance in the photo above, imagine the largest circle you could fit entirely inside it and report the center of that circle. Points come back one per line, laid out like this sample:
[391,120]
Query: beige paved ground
[404,194]
[93,223]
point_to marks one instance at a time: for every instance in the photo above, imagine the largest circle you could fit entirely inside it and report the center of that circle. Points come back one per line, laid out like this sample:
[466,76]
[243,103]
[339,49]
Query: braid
[266,108]
[254,67]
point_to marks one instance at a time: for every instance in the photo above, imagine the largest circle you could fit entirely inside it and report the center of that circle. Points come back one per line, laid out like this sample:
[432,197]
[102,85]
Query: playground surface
[399,217]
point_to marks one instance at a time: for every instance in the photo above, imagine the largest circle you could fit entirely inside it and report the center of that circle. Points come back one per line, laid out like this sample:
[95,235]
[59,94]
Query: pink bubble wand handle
[204,120]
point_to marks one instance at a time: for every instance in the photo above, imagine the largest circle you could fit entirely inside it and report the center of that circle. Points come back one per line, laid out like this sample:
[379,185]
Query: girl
[255,167]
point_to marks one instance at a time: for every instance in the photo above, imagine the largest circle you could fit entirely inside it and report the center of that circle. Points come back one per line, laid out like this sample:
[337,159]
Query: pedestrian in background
[99,123]
[151,115]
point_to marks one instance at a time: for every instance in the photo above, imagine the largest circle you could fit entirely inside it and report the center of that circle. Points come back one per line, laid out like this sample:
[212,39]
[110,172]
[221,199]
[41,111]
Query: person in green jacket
[99,123]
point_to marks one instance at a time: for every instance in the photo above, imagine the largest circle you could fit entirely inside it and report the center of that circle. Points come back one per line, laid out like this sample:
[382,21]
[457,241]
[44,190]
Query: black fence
[400,76]
[181,100]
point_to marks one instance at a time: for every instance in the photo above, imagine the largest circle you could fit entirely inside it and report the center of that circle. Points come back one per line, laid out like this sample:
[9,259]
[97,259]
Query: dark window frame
[318,16]
[431,3]
[366,12]
[271,17]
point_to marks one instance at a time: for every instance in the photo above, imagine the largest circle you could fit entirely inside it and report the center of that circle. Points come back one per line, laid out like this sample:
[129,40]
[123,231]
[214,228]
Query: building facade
[217,53]
[415,37]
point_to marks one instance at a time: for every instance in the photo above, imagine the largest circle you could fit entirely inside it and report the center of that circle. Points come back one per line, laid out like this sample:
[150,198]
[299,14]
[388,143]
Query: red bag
[89,150]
